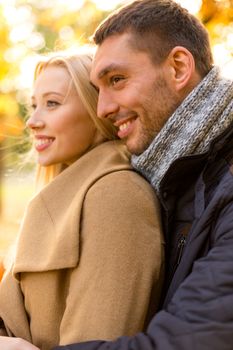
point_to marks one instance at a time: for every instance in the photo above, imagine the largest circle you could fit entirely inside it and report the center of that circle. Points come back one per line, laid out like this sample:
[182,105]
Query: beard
[157,108]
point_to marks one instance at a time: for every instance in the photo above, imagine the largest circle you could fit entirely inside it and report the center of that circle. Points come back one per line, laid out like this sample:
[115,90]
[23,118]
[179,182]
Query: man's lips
[125,127]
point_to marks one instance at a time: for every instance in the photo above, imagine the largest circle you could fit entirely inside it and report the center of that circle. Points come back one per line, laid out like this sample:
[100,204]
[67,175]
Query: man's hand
[8,343]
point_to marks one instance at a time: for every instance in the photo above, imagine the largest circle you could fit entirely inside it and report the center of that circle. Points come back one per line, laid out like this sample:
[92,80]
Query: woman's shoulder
[126,179]
[122,174]
[112,153]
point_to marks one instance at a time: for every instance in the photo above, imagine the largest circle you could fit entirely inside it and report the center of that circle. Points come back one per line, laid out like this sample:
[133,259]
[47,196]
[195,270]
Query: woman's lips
[42,143]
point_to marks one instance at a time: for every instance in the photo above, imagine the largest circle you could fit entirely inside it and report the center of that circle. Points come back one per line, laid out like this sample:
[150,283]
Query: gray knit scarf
[204,114]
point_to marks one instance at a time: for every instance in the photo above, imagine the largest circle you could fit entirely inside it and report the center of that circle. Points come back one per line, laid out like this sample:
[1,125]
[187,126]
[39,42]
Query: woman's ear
[182,68]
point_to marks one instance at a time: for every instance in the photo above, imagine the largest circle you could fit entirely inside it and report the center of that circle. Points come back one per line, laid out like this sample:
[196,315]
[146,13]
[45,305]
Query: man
[154,72]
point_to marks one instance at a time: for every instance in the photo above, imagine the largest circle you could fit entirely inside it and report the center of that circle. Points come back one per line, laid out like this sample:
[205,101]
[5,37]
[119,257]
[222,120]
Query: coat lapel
[49,237]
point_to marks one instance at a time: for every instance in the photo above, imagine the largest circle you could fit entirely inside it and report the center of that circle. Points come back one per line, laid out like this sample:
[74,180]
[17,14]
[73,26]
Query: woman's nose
[34,122]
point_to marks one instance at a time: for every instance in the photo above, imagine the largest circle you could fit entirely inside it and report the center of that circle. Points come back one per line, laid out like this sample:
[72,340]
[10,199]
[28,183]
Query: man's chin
[135,148]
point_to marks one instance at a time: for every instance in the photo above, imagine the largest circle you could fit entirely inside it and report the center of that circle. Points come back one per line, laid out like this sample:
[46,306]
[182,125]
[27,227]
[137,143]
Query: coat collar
[50,233]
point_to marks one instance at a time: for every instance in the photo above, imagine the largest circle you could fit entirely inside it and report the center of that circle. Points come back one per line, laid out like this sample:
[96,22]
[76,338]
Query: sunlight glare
[21,32]
[15,16]
[7,2]
[66,33]
[191,5]
[15,53]
[70,5]
[107,5]
[35,41]
[27,68]
[223,58]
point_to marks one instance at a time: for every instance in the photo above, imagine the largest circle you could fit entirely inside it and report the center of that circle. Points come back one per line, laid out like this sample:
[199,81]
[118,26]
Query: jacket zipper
[180,250]
[179,253]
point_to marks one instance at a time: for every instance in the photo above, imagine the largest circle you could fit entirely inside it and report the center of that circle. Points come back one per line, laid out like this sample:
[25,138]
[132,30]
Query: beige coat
[89,253]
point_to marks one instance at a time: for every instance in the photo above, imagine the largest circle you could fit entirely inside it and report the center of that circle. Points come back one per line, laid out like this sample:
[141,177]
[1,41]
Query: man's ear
[182,67]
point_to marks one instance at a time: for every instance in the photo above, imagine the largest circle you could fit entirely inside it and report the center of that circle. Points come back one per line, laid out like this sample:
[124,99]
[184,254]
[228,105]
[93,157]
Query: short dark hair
[157,26]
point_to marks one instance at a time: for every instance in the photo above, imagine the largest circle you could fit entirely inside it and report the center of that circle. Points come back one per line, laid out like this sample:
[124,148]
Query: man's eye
[51,103]
[114,80]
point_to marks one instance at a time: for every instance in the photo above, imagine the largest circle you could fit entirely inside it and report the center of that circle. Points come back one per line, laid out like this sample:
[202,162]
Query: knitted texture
[205,113]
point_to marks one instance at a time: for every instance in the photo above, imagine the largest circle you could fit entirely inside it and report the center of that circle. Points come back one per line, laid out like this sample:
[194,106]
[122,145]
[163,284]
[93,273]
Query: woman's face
[61,126]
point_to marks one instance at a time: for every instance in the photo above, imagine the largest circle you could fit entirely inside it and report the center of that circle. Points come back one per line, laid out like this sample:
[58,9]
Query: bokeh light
[193,6]
[27,40]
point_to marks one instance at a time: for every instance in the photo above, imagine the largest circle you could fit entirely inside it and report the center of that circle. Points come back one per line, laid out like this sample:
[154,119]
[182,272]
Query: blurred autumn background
[29,28]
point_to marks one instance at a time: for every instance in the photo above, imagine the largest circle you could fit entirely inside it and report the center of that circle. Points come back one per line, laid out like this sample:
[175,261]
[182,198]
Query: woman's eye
[51,103]
[33,106]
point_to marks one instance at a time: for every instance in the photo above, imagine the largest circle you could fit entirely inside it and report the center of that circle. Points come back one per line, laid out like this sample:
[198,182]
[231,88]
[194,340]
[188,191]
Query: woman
[90,249]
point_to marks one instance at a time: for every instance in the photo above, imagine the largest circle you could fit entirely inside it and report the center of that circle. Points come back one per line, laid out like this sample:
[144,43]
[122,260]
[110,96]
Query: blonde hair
[78,66]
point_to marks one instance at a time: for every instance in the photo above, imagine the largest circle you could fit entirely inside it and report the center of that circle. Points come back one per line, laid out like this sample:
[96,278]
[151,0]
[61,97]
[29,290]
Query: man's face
[134,93]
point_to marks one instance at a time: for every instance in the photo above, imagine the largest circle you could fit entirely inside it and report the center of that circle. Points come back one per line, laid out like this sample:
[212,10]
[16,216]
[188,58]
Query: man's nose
[106,106]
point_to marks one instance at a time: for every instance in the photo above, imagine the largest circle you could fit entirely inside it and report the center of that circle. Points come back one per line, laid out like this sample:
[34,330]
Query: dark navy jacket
[197,311]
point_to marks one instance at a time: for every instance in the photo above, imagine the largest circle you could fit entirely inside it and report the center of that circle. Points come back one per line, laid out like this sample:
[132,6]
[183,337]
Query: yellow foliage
[10,121]
[216,11]
[208,10]
[3,37]
[217,16]
[4,66]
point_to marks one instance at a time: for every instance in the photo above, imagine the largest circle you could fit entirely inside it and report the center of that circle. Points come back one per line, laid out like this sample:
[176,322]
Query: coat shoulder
[127,185]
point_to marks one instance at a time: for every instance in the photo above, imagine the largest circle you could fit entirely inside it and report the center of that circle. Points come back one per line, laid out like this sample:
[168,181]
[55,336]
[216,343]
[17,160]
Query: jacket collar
[189,167]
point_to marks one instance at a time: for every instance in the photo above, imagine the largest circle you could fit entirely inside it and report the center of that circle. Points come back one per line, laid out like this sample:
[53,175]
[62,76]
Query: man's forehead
[110,55]
[113,46]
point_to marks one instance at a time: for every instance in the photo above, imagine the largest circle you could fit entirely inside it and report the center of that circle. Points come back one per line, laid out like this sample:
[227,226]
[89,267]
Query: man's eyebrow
[111,67]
